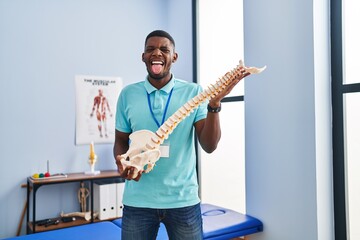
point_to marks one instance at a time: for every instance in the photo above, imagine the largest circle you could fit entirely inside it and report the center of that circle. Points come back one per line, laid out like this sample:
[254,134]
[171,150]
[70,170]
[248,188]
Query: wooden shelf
[74,177]
[34,184]
[79,221]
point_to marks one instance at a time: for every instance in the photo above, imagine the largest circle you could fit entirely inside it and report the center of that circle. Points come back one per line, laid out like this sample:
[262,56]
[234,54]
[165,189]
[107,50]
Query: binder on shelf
[119,197]
[105,200]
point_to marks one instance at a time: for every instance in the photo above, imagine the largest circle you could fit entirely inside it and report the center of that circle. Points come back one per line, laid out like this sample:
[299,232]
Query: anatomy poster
[96,99]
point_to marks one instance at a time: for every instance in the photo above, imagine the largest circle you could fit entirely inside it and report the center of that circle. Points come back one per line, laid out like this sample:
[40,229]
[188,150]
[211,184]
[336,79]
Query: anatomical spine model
[144,144]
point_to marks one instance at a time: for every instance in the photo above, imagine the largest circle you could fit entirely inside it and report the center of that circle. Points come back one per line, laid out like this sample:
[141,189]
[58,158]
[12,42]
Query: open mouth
[157,66]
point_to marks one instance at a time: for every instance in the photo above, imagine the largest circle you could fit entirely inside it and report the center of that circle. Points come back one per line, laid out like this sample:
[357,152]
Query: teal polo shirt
[173,181]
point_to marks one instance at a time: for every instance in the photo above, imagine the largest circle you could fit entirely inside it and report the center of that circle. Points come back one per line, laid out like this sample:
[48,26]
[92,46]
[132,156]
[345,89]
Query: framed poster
[96,99]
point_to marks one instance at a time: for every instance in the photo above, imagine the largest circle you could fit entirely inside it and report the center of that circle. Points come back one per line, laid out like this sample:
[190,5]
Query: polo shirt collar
[167,88]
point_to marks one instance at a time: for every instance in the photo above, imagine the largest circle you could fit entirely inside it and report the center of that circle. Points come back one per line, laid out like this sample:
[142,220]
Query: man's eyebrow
[161,47]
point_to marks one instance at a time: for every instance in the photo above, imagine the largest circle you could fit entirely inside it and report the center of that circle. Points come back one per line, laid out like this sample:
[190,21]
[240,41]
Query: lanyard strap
[166,108]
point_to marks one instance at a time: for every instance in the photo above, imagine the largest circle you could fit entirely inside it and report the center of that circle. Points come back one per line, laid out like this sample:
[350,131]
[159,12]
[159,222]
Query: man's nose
[156,51]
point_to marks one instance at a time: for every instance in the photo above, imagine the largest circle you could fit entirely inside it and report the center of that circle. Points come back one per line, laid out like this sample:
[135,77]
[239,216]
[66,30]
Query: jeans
[143,223]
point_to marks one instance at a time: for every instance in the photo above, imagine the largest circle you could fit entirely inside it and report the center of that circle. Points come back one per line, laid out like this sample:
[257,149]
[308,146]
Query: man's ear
[175,57]
[142,57]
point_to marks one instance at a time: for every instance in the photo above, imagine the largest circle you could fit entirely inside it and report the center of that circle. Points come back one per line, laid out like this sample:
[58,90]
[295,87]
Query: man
[169,193]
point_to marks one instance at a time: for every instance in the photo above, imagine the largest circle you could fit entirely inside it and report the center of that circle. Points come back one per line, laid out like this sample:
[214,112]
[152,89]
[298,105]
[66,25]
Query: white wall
[179,21]
[43,45]
[288,121]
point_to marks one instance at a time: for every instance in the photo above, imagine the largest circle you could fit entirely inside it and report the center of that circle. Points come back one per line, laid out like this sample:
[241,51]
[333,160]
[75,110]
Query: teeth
[156,62]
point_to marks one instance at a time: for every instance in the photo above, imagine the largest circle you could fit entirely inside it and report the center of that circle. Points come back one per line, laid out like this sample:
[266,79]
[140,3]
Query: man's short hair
[160,33]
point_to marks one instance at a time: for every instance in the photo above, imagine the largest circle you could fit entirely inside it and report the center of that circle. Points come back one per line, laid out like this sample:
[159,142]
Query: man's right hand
[129,173]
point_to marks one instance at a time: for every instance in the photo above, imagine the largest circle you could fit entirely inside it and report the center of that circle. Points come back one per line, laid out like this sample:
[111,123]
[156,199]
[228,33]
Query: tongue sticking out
[156,68]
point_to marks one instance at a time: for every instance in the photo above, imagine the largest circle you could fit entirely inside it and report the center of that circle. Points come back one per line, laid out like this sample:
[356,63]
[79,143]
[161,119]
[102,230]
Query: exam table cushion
[222,223]
[92,231]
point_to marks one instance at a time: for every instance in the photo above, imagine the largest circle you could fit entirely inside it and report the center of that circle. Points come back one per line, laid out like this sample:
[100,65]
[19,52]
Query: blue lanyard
[166,108]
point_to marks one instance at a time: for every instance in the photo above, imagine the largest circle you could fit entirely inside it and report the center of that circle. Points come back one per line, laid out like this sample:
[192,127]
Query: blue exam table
[93,231]
[218,224]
